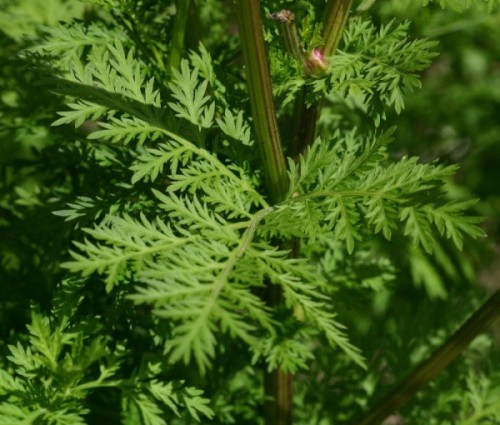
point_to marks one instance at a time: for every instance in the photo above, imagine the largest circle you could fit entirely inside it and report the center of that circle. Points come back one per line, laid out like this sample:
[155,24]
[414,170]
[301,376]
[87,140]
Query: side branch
[423,374]
[334,22]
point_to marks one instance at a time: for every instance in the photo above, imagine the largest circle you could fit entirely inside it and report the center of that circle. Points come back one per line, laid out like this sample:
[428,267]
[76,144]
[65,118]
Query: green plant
[207,221]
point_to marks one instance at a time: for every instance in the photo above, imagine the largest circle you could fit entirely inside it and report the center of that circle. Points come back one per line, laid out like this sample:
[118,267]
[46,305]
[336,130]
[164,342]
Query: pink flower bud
[317,60]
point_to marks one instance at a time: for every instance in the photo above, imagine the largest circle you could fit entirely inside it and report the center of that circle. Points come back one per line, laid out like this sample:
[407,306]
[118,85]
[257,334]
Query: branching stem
[305,117]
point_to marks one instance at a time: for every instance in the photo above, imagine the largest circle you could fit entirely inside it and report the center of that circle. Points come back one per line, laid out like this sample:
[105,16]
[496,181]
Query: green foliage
[379,66]
[190,96]
[338,189]
[460,5]
[62,364]
[141,249]
[374,70]
[22,17]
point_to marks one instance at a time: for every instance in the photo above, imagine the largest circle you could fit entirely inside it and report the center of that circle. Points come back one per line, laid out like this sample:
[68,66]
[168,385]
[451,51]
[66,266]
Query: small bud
[317,61]
[283,16]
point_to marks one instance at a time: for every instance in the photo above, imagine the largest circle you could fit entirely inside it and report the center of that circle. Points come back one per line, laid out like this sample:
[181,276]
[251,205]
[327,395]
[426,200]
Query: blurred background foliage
[454,117]
[398,310]
[32,171]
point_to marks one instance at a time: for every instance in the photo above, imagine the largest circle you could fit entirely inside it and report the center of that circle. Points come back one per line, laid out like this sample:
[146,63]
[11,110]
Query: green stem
[178,32]
[261,98]
[195,34]
[278,408]
[335,18]
[305,118]
[304,123]
[278,385]
[365,5]
[286,20]
[423,374]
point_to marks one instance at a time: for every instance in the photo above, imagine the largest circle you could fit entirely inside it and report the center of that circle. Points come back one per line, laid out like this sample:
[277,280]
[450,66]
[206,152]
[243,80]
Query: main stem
[278,384]
[440,359]
[261,98]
